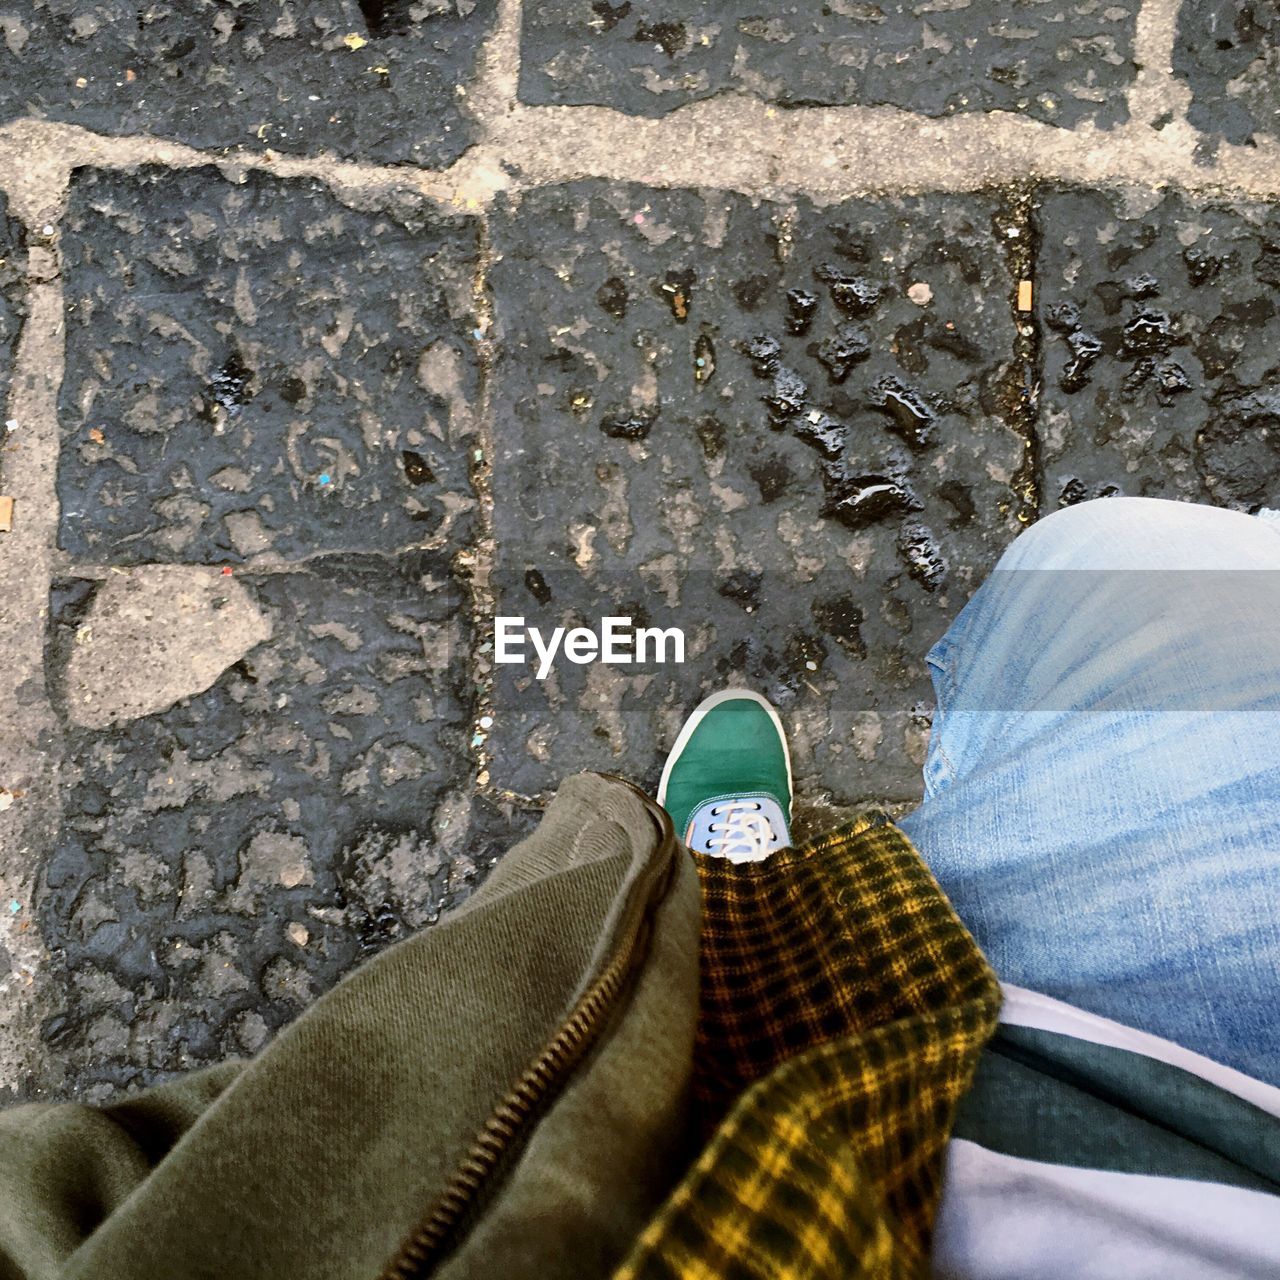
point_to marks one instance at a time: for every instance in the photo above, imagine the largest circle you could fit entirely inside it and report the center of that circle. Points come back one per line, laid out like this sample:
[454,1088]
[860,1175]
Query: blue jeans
[1102,789]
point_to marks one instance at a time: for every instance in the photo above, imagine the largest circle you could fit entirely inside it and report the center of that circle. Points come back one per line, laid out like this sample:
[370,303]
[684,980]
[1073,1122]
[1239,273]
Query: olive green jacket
[558,1080]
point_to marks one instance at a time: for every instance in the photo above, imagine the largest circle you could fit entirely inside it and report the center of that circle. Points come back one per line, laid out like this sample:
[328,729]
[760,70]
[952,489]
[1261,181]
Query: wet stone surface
[1162,350]
[375,80]
[12,267]
[1049,59]
[1228,51]
[257,369]
[227,859]
[782,430]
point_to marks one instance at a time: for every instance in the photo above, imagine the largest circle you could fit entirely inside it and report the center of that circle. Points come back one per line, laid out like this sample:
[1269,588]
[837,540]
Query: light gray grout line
[478,561]
[493,98]
[493,93]
[730,142]
[28,728]
[1156,91]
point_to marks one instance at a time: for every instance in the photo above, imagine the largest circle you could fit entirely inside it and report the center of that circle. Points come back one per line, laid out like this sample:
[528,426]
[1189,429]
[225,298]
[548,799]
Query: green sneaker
[727,781]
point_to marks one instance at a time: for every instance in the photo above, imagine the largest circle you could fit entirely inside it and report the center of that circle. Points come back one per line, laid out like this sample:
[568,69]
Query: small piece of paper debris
[6,515]
[920,293]
[6,799]
[95,434]
[14,906]
[1024,295]
[354,41]
[11,424]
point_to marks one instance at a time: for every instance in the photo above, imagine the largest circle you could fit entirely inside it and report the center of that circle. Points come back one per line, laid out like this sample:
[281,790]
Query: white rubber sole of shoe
[695,719]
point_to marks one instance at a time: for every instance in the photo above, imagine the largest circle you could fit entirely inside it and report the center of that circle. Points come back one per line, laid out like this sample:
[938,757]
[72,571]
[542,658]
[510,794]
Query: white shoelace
[744,831]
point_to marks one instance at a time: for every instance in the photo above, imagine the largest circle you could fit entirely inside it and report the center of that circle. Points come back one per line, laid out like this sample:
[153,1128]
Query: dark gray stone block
[258,369]
[1048,59]
[783,430]
[228,859]
[1162,350]
[377,80]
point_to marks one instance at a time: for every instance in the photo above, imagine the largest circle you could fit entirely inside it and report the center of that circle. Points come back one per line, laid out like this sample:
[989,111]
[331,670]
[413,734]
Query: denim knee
[1145,533]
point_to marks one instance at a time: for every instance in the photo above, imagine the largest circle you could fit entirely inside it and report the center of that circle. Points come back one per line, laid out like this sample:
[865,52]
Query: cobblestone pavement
[330,332]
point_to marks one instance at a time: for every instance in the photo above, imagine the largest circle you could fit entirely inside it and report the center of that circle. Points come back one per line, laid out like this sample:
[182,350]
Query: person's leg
[1102,791]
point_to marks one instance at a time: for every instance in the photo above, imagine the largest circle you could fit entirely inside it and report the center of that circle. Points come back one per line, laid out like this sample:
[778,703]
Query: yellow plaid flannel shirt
[843,1010]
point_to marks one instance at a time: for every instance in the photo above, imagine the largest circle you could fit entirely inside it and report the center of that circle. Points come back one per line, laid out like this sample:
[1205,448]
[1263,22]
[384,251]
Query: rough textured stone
[1228,51]
[378,79]
[322,786]
[1050,59]
[154,636]
[257,369]
[1162,350]
[12,268]
[735,418]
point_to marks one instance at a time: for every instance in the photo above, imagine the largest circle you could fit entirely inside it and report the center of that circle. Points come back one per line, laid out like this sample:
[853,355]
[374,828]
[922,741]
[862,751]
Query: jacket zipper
[435,1235]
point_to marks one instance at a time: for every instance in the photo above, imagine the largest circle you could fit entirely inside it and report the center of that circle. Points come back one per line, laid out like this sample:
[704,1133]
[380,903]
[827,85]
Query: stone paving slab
[12,271]
[781,429]
[376,80]
[257,369]
[1228,51]
[1162,355]
[1049,59]
[228,857]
